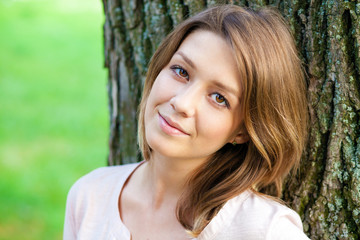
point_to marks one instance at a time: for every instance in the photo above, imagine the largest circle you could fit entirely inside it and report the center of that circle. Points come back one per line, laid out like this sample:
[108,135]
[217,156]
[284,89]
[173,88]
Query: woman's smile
[170,127]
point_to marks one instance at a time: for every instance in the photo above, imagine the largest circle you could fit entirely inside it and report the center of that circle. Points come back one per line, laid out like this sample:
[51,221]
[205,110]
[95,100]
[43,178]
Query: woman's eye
[180,72]
[220,99]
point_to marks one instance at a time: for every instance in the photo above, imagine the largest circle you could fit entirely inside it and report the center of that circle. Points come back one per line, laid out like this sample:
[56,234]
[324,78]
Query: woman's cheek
[163,86]
[213,123]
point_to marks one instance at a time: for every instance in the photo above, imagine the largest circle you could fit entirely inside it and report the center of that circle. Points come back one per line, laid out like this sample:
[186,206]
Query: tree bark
[326,188]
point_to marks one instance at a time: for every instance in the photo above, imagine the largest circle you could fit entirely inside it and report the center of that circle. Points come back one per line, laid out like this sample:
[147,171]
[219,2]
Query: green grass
[53,110]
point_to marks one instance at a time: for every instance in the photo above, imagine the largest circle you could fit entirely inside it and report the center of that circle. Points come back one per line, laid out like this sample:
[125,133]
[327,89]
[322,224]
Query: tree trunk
[326,189]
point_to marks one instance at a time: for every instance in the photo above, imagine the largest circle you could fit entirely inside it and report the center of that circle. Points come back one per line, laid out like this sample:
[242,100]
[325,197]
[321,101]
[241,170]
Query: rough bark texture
[326,189]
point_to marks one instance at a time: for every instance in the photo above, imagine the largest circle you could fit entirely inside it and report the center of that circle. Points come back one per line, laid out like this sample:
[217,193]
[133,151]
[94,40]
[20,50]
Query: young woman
[223,117]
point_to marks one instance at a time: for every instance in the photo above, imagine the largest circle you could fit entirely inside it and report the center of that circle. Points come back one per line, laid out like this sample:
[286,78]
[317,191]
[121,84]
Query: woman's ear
[241,137]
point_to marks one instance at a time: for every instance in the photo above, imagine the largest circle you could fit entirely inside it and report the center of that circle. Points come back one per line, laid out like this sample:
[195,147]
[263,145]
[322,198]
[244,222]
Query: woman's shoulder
[253,216]
[263,217]
[102,180]
[109,172]
[266,206]
[94,199]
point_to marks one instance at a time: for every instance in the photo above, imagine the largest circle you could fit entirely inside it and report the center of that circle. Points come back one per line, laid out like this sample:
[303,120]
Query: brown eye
[220,100]
[180,72]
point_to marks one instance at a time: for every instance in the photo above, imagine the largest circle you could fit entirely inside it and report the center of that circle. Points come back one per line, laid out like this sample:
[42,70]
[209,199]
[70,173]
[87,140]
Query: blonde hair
[273,104]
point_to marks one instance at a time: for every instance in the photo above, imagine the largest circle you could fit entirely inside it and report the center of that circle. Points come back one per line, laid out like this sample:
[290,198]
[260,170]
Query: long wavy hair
[273,103]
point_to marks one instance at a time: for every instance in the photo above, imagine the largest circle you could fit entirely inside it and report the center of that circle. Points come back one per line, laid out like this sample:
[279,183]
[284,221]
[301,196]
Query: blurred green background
[53,110]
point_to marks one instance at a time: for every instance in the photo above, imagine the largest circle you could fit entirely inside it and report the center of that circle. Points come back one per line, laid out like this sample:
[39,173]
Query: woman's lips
[170,127]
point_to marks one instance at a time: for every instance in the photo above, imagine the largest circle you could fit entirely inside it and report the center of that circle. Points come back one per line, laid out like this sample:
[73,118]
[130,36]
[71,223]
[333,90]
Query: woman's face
[194,105]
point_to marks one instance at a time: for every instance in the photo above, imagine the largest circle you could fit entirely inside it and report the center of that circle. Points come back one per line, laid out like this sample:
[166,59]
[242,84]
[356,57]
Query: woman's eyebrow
[186,59]
[227,88]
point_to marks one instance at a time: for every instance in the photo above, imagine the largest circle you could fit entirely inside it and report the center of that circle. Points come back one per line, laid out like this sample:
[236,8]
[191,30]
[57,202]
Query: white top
[92,212]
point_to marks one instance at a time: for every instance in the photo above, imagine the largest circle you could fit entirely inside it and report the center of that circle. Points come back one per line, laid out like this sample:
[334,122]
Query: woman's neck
[166,178]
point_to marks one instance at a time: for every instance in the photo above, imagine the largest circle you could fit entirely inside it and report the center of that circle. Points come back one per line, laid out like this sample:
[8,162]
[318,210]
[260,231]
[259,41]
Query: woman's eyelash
[181,72]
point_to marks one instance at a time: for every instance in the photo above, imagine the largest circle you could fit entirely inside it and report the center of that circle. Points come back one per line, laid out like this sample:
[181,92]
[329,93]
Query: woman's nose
[186,100]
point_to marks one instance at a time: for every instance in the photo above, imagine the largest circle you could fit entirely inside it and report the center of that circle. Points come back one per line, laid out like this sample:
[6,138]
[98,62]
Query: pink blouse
[92,212]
